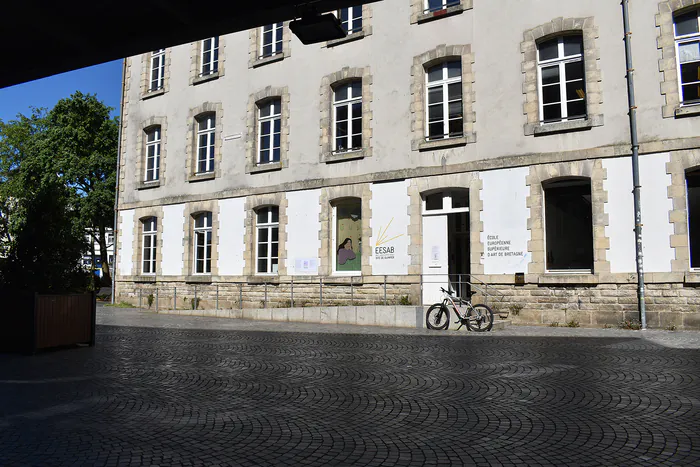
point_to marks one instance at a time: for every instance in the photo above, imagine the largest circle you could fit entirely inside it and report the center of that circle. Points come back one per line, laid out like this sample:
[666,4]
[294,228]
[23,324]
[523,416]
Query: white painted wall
[657,228]
[505,215]
[126,242]
[231,236]
[303,227]
[173,234]
[389,224]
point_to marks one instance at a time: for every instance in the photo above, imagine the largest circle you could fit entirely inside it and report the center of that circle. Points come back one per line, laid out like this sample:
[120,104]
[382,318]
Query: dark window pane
[569,227]
[690,72]
[265,142]
[574,90]
[357,109]
[693,181]
[455,109]
[357,141]
[262,265]
[262,216]
[344,14]
[549,49]
[435,130]
[552,112]
[275,214]
[434,5]
[265,128]
[275,155]
[341,128]
[341,143]
[275,234]
[574,70]
[263,235]
[456,127]
[202,140]
[687,23]
[454,69]
[454,91]
[573,45]
[452,2]
[691,92]
[551,94]
[275,250]
[550,74]
[435,95]
[264,157]
[341,113]
[202,166]
[576,109]
[460,199]
[262,250]
[276,141]
[433,202]
[264,110]
[435,113]
[277,125]
[435,73]
[341,92]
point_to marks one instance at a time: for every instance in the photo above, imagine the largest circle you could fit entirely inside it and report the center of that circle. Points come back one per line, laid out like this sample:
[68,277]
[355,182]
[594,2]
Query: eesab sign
[384,252]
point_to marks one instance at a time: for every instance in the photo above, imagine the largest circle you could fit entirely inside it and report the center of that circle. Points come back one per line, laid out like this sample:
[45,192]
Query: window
[202,243]
[150,228]
[693,186]
[271,40]
[210,56]
[568,225]
[157,69]
[153,139]
[206,130]
[444,101]
[269,131]
[351,19]
[347,117]
[561,87]
[687,36]
[267,240]
[456,200]
[347,235]
[435,5]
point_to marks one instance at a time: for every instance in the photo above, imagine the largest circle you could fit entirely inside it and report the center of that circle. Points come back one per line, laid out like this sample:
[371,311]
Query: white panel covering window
[271,39]
[436,5]
[157,70]
[444,101]
[210,56]
[153,140]
[269,131]
[347,117]
[202,243]
[267,239]
[148,252]
[206,131]
[561,84]
[687,35]
[351,19]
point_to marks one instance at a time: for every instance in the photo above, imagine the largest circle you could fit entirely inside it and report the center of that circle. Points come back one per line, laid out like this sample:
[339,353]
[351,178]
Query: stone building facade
[440,143]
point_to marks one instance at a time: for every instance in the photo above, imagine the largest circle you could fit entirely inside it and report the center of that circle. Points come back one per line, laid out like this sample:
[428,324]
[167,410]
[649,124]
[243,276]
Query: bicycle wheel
[437,317]
[481,319]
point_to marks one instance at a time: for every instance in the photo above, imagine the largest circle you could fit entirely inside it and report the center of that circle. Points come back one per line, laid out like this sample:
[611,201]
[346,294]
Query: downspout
[635,166]
[116,191]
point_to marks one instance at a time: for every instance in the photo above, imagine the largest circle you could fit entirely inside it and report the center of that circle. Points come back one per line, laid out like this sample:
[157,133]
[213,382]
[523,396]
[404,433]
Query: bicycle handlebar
[448,292]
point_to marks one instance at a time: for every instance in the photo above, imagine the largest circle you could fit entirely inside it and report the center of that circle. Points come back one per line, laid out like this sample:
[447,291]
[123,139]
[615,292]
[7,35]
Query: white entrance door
[435,258]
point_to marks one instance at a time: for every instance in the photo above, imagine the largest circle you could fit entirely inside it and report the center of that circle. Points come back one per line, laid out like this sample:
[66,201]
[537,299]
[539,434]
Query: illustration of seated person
[347,260]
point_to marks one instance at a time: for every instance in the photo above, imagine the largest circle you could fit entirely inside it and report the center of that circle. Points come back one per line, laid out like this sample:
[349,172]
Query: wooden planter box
[31,322]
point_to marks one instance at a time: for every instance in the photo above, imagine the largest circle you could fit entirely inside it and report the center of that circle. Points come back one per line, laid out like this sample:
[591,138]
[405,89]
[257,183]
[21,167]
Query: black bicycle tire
[445,326]
[489,312]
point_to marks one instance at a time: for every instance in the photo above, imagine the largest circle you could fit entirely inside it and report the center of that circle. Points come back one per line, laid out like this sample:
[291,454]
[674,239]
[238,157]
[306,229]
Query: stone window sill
[271,59]
[201,177]
[687,111]
[148,185]
[149,279]
[568,279]
[331,157]
[262,279]
[150,94]
[562,127]
[692,277]
[349,38]
[254,169]
[198,279]
[433,15]
[205,78]
[446,143]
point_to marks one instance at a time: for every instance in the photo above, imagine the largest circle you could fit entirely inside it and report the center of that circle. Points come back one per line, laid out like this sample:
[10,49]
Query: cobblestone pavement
[171,390]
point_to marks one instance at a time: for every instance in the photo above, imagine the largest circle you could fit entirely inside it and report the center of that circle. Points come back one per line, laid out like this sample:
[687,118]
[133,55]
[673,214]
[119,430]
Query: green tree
[83,138]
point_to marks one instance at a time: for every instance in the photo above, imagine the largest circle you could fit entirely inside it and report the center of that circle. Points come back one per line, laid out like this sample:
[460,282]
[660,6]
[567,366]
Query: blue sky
[103,80]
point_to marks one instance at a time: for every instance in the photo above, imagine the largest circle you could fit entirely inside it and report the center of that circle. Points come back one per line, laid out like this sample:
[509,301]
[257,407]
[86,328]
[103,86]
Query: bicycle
[478,318]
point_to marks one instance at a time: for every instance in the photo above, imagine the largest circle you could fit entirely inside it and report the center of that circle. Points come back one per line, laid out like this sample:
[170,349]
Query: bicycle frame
[448,300]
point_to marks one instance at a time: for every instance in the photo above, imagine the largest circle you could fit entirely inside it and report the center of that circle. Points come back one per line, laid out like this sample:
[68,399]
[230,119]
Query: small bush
[573,324]
[632,324]
[554,324]
[607,326]
[194,303]
[671,327]
[150,299]
[515,308]
[405,300]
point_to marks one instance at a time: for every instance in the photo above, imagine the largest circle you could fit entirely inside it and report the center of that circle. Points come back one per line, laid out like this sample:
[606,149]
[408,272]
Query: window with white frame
[271,39]
[692,179]
[347,236]
[347,116]
[153,139]
[436,5]
[444,101]
[351,19]
[269,131]
[148,242]
[267,240]
[206,132]
[210,56]
[157,70]
[568,219]
[687,34]
[202,243]
[561,84]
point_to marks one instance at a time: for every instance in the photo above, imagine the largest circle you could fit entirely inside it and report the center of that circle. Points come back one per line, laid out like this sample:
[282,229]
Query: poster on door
[389,223]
